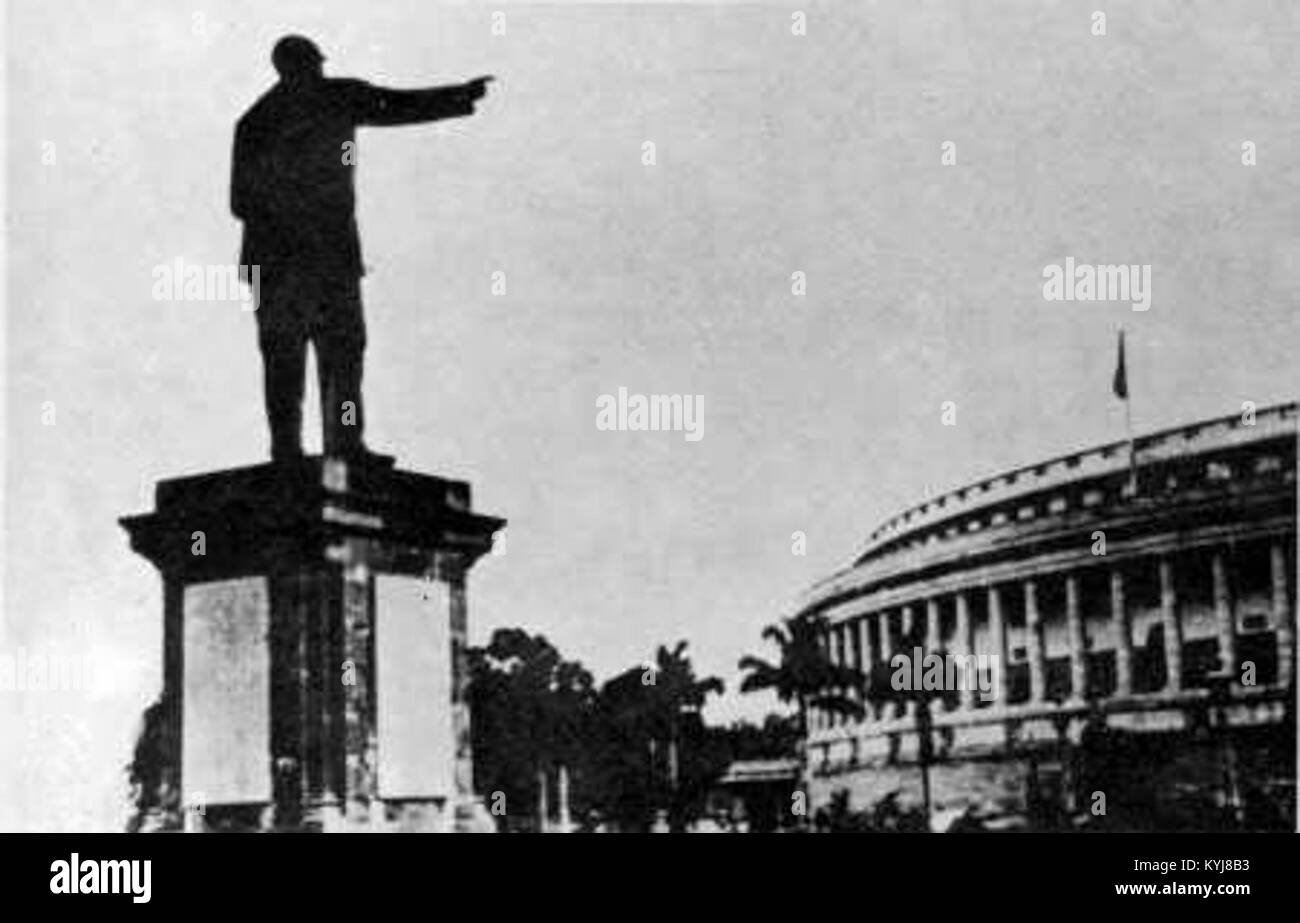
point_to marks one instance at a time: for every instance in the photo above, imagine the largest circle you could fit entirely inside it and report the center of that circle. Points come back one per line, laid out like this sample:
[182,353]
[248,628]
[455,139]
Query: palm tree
[879,689]
[648,717]
[803,674]
[676,692]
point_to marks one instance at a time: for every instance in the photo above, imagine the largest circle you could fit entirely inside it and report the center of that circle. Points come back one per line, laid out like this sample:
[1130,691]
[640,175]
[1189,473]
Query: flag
[1121,376]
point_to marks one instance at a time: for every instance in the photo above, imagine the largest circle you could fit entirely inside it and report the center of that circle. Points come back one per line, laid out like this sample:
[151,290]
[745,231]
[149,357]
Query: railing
[1080,473]
[1110,458]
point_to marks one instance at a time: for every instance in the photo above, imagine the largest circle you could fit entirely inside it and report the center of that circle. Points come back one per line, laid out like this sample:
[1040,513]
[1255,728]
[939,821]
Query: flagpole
[1128,423]
[1132,448]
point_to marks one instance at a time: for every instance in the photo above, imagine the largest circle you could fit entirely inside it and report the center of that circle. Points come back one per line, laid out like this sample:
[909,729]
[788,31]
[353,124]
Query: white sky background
[775,153]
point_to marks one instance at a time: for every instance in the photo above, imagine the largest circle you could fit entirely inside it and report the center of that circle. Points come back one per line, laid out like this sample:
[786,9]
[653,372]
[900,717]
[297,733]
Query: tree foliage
[803,674]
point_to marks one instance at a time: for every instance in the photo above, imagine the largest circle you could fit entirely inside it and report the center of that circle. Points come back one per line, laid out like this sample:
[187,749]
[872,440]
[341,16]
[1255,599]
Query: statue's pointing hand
[478,86]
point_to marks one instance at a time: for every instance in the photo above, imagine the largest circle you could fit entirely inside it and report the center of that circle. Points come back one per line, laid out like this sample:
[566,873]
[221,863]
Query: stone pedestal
[314,645]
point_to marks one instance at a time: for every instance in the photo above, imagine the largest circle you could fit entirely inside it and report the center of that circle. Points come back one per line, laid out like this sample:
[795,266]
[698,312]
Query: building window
[1268,464]
[1218,471]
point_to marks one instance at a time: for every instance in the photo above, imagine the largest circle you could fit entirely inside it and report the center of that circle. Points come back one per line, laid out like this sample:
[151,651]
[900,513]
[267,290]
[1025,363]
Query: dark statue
[292,186]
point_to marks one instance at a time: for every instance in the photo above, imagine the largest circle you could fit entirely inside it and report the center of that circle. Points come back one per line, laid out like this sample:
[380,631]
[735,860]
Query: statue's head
[297,59]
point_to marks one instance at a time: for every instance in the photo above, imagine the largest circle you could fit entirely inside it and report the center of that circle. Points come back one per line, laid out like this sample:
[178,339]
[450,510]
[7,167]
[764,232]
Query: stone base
[277,579]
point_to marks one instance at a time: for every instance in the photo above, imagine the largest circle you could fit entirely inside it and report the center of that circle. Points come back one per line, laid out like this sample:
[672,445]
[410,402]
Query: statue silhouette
[292,186]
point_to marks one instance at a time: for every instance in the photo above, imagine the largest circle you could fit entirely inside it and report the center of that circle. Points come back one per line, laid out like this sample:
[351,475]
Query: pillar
[469,809]
[855,629]
[908,626]
[1078,642]
[886,649]
[360,723]
[1282,621]
[841,661]
[867,658]
[933,634]
[1224,617]
[832,718]
[965,645]
[1123,635]
[818,714]
[1034,633]
[998,634]
[934,640]
[1173,628]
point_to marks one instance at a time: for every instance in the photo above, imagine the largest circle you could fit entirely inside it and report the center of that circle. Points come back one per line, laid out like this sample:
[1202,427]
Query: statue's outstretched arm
[405,107]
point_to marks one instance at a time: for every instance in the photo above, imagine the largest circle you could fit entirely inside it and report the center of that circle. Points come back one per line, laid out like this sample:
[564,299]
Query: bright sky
[775,153]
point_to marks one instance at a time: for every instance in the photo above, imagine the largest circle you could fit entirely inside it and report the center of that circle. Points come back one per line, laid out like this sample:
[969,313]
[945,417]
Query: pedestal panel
[226,693]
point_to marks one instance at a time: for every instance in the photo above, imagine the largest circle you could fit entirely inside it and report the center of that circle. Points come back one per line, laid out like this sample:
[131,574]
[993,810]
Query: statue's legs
[284,365]
[297,306]
[340,343]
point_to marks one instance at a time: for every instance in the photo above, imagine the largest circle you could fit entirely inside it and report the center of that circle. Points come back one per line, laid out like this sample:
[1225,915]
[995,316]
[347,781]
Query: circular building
[1119,621]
